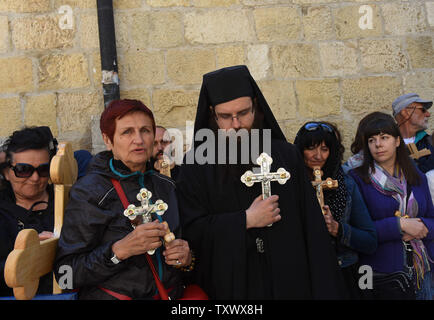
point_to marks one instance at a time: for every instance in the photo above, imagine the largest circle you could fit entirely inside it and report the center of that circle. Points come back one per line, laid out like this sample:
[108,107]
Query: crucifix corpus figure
[320,185]
[143,213]
[265,176]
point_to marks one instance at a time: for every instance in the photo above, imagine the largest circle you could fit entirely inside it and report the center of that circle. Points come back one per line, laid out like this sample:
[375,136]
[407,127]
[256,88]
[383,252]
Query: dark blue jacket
[358,230]
[422,141]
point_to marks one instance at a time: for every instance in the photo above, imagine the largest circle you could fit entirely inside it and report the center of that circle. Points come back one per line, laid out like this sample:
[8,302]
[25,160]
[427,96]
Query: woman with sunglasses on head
[27,199]
[398,199]
[346,216]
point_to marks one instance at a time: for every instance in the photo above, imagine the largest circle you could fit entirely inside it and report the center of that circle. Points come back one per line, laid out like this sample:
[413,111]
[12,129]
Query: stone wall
[334,60]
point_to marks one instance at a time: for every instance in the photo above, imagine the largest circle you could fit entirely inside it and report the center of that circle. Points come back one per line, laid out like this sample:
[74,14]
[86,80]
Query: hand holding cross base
[143,213]
[320,184]
[265,176]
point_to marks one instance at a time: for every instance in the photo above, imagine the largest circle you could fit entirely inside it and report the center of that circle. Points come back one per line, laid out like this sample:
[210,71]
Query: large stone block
[213,3]
[122,29]
[11,119]
[152,30]
[25,6]
[188,66]
[230,56]
[339,58]
[168,3]
[40,110]
[61,71]
[172,108]
[76,109]
[138,94]
[313,1]
[364,95]
[385,55]
[89,32]
[421,82]
[351,24]
[318,98]
[277,23]
[258,61]
[218,26]
[4,34]
[403,17]
[141,68]
[317,23]
[430,12]
[421,52]
[295,60]
[82,4]
[17,74]
[126,4]
[40,33]
[280,97]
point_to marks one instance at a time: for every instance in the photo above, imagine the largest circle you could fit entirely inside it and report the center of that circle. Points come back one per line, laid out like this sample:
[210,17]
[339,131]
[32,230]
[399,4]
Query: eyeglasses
[421,108]
[25,170]
[313,126]
[240,116]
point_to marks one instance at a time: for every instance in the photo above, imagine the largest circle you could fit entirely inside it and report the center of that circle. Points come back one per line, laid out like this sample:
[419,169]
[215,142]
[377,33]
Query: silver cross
[265,176]
[145,209]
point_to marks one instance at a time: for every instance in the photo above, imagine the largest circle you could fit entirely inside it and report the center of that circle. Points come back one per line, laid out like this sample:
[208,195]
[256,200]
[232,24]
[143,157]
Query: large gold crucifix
[320,185]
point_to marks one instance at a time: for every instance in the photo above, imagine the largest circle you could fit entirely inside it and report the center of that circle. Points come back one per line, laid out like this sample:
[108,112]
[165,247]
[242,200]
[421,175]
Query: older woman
[398,199]
[106,251]
[26,200]
[346,216]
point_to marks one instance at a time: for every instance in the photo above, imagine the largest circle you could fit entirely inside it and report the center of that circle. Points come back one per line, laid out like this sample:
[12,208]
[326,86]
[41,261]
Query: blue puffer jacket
[358,230]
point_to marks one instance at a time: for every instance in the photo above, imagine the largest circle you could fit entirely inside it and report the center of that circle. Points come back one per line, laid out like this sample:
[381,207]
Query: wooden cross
[416,154]
[320,184]
[164,165]
[143,213]
[265,176]
[31,258]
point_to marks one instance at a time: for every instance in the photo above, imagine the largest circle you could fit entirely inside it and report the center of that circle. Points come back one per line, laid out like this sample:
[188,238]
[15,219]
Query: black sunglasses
[25,170]
[312,126]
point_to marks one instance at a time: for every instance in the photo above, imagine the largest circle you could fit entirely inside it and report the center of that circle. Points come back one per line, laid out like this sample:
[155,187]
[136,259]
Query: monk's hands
[413,228]
[332,224]
[261,212]
[177,253]
[143,238]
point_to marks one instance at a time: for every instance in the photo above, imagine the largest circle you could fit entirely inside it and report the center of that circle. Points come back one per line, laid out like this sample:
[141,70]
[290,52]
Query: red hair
[117,109]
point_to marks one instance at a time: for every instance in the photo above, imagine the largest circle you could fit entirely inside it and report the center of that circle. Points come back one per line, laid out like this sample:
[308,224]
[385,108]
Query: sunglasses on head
[25,170]
[312,126]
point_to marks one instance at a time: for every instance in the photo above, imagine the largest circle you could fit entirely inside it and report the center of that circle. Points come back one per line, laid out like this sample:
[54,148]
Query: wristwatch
[115,259]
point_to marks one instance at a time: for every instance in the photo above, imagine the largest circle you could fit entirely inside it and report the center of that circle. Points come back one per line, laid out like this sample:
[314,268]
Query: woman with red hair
[106,248]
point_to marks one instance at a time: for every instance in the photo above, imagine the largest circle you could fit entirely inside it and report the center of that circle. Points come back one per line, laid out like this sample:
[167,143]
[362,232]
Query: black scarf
[336,199]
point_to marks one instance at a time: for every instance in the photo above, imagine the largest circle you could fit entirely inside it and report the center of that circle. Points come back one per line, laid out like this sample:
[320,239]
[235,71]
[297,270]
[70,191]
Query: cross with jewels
[143,213]
[415,153]
[320,184]
[265,176]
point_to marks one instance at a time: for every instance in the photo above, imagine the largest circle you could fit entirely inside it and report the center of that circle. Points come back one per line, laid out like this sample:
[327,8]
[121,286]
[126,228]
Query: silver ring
[178,262]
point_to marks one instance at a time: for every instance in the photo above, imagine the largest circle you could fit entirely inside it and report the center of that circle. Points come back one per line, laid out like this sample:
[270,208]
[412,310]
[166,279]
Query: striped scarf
[396,187]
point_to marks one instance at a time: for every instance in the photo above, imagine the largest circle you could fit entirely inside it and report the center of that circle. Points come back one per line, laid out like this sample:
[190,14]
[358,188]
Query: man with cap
[411,113]
[238,254]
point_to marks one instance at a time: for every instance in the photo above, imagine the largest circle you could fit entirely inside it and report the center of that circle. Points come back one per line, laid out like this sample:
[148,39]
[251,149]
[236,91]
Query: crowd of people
[305,237]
